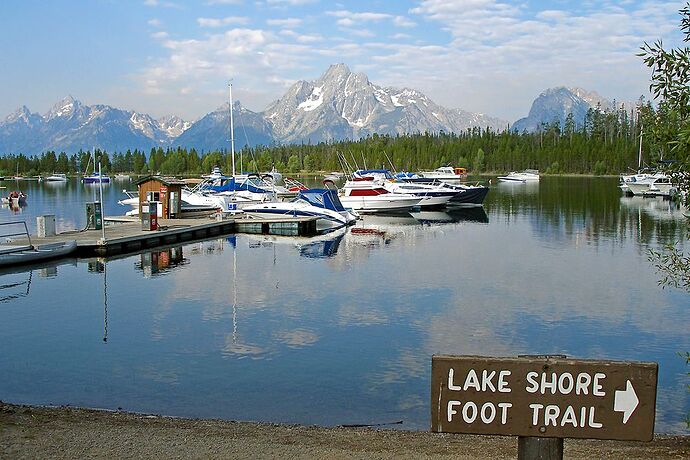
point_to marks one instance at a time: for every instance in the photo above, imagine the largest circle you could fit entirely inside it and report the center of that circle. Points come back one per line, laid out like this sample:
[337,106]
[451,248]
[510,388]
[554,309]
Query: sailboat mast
[232,132]
[639,157]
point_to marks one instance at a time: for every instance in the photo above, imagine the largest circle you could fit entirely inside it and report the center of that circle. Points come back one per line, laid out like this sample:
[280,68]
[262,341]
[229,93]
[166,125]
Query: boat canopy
[232,185]
[322,198]
[377,172]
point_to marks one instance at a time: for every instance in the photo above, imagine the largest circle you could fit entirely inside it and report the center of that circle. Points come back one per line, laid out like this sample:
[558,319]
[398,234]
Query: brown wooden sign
[543,397]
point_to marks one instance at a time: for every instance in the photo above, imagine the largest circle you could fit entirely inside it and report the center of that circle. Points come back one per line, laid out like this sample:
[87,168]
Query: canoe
[27,254]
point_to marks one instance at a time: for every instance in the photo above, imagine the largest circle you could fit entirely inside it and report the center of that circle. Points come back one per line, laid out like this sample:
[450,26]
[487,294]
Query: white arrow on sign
[626,401]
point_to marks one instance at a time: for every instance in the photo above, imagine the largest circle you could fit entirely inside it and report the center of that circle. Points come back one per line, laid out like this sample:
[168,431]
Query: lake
[340,328]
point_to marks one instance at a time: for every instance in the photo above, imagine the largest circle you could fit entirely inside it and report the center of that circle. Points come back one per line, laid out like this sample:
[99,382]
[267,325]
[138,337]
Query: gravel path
[38,432]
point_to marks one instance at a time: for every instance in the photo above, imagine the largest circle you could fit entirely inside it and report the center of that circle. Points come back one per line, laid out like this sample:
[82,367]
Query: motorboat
[528,175]
[322,203]
[56,177]
[233,191]
[626,179]
[131,200]
[432,194]
[122,177]
[656,184]
[445,173]
[216,173]
[95,178]
[372,196]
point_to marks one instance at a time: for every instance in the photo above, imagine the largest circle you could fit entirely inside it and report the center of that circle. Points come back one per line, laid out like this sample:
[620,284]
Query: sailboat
[626,179]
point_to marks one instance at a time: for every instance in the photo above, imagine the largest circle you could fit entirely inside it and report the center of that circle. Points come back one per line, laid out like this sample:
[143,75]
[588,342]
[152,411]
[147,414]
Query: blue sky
[175,57]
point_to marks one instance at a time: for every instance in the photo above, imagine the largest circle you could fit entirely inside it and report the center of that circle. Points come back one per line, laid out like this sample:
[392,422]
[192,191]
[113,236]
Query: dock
[125,235]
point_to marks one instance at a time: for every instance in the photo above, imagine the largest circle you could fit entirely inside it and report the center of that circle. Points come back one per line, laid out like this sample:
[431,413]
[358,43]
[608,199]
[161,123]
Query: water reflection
[155,263]
[14,286]
[340,328]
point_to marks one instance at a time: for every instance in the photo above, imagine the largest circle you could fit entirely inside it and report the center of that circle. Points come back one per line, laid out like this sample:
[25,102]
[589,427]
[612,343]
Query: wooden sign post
[543,397]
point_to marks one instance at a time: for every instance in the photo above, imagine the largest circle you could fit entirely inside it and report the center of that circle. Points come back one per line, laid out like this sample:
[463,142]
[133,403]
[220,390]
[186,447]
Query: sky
[165,57]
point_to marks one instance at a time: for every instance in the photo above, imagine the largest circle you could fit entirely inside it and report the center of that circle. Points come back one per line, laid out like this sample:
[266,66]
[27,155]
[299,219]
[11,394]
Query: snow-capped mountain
[70,125]
[338,105]
[557,103]
[341,105]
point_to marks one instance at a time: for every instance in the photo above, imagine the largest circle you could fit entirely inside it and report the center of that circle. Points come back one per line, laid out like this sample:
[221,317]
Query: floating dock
[125,235]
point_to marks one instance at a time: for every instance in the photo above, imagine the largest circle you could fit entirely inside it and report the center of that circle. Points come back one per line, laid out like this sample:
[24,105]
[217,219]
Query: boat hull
[38,254]
[379,203]
[472,196]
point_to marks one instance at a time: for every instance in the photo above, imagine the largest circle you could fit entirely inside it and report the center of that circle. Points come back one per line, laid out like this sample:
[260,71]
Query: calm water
[340,329]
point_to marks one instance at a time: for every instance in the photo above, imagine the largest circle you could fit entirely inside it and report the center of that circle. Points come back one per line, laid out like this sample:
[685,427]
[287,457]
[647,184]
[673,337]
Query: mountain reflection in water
[340,328]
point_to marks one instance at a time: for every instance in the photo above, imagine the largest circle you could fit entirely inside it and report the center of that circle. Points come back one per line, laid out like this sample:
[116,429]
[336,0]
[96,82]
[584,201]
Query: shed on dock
[165,190]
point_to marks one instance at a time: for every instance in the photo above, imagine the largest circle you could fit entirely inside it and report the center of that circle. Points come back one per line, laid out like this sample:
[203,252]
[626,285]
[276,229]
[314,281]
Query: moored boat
[321,203]
[56,177]
[371,196]
[445,173]
[95,178]
[528,175]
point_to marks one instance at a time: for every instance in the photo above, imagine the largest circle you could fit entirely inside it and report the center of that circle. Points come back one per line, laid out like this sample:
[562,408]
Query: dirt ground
[39,432]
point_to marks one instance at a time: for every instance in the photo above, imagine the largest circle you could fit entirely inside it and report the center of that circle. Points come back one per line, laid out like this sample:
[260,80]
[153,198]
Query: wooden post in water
[533,448]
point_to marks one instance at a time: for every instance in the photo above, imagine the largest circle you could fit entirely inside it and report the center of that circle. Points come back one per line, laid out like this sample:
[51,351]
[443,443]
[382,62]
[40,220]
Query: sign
[543,397]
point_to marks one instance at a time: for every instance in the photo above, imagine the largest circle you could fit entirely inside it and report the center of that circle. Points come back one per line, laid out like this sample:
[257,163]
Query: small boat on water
[445,173]
[28,254]
[528,175]
[56,177]
[16,254]
[95,178]
[15,199]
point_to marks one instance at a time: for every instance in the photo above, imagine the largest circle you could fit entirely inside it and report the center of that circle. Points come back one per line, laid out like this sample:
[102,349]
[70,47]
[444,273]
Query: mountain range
[338,105]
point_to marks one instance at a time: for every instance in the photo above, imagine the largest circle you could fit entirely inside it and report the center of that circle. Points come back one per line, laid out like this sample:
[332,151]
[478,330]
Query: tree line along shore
[607,143]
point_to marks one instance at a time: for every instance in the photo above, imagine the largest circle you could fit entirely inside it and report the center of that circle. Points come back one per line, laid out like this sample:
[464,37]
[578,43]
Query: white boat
[626,180]
[131,200]
[56,177]
[429,194]
[528,175]
[445,173]
[321,203]
[656,184]
[121,177]
[371,196]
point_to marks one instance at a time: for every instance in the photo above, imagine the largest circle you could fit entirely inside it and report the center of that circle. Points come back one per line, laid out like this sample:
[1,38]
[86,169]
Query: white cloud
[487,56]
[286,22]
[154,22]
[156,3]
[162,35]
[290,2]
[224,2]
[220,22]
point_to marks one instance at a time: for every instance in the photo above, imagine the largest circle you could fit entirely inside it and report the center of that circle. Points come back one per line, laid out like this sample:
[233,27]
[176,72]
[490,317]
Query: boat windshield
[323,198]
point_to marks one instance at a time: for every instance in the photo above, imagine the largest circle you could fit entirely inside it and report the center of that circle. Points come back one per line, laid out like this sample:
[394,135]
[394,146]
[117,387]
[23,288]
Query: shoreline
[66,432]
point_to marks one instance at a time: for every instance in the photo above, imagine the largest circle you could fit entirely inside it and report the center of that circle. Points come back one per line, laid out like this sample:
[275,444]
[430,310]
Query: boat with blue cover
[322,203]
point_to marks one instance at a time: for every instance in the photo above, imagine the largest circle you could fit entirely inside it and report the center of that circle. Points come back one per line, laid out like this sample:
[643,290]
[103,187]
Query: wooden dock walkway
[123,235]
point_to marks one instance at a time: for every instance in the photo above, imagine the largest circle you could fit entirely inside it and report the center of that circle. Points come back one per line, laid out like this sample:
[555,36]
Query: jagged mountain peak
[22,113]
[64,107]
[555,104]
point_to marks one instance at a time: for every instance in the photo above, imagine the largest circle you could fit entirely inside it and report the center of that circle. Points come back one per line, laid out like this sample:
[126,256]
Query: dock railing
[7,231]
